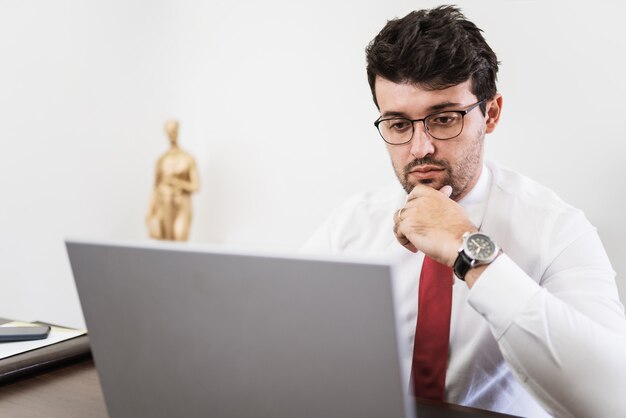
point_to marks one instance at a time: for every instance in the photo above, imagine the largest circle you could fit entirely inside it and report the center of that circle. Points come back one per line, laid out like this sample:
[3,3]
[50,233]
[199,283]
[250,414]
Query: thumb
[447,190]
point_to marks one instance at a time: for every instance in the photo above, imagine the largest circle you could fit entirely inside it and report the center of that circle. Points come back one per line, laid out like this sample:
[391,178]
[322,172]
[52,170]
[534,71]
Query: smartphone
[38,332]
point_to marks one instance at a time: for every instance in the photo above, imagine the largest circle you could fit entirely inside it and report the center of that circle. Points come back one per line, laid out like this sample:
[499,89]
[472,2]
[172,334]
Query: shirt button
[521,375]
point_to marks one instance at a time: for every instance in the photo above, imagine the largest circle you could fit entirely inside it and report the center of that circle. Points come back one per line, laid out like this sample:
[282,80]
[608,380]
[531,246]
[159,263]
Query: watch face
[480,247]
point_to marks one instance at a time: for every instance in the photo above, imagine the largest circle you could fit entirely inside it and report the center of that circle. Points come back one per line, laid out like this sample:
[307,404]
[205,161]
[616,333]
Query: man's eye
[444,119]
[399,125]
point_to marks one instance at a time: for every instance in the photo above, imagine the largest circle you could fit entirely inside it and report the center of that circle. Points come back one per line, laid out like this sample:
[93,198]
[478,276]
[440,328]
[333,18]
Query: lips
[425,171]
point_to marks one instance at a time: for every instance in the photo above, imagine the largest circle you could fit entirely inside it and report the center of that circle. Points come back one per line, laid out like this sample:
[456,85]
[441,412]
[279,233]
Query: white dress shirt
[542,332]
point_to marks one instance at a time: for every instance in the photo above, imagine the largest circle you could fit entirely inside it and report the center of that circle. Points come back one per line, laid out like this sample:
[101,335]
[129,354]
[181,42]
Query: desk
[69,391]
[74,391]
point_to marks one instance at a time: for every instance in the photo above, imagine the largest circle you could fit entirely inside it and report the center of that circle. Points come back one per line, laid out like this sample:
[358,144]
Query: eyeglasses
[441,125]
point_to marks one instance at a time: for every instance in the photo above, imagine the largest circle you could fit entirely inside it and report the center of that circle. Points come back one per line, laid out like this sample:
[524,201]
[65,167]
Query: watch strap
[462,264]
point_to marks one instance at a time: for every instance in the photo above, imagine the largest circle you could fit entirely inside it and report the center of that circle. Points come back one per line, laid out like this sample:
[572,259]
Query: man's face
[456,162]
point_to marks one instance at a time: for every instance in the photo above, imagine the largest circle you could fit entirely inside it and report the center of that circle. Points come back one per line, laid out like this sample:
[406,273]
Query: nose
[422,144]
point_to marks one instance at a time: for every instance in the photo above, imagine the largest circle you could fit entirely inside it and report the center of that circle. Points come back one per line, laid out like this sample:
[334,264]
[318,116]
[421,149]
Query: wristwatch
[478,249]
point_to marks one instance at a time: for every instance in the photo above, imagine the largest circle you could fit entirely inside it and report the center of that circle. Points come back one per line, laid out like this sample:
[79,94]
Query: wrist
[457,246]
[476,252]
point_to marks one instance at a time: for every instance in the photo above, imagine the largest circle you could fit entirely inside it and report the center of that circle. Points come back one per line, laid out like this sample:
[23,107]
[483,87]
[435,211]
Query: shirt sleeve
[352,227]
[564,337]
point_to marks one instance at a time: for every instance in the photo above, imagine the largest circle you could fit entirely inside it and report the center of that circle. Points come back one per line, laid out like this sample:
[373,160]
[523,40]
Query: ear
[494,108]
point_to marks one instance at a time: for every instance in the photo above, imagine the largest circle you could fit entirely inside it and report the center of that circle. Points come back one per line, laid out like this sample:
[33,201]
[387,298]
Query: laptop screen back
[203,332]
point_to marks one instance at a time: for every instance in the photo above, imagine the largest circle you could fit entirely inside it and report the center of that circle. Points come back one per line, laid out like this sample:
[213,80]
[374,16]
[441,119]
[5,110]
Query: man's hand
[433,223]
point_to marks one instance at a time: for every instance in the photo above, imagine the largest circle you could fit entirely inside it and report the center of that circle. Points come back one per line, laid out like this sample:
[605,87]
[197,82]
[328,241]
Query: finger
[396,228]
[447,190]
[419,190]
[401,238]
[405,242]
[397,217]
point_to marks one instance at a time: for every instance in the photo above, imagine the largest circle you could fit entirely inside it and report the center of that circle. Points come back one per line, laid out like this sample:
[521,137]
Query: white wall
[274,103]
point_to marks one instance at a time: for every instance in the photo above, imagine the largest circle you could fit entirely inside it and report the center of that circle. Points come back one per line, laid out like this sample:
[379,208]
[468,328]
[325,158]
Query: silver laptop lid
[196,332]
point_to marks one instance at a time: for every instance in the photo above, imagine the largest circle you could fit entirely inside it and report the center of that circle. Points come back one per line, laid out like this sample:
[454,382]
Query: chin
[408,186]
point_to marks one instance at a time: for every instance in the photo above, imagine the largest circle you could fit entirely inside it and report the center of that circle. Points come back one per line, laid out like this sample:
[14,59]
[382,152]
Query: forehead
[415,100]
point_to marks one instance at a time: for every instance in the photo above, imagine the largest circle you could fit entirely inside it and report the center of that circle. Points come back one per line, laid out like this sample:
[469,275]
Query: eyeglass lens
[445,125]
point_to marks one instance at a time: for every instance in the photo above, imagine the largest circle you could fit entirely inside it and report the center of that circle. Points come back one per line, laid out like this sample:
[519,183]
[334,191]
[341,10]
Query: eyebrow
[432,109]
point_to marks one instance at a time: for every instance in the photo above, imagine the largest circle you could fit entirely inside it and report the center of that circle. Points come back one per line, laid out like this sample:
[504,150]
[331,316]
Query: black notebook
[36,360]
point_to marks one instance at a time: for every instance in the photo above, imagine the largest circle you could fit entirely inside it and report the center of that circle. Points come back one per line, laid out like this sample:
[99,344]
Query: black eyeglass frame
[423,120]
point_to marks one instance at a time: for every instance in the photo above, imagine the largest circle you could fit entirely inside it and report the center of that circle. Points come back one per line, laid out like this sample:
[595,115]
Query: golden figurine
[169,217]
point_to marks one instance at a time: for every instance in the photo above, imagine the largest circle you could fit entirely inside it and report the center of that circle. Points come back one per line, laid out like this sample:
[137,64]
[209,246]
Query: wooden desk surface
[69,391]
[73,391]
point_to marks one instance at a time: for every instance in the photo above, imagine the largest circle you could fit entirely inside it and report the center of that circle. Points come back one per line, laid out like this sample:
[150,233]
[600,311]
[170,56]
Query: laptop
[188,331]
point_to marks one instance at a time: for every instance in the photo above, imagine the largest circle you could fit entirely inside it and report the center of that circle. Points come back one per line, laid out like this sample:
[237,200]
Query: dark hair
[436,48]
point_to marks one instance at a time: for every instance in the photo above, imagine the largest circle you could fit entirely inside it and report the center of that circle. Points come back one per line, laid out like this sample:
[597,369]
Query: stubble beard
[458,176]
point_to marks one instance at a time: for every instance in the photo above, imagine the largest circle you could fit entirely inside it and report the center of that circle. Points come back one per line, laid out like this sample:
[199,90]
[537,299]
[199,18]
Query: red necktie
[430,353]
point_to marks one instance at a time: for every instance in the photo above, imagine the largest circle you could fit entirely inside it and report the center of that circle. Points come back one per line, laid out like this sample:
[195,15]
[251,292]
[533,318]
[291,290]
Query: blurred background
[274,105]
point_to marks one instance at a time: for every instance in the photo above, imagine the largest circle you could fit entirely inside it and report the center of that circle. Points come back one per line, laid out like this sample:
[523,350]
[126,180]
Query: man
[534,330]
